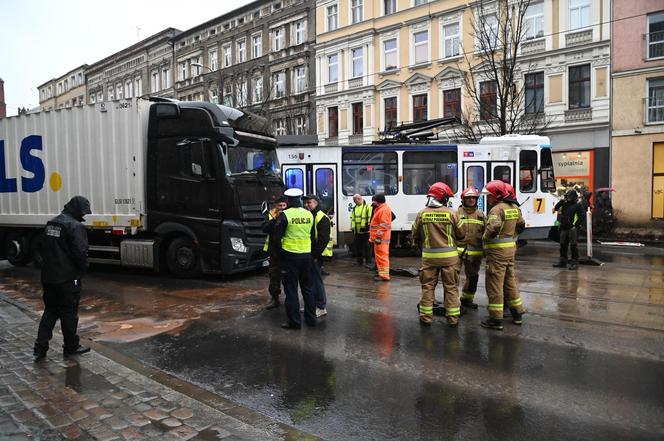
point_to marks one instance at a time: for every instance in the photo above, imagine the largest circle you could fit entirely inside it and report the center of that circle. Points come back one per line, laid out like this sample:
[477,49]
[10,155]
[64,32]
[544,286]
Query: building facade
[637,128]
[3,105]
[384,62]
[145,68]
[69,90]
[258,57]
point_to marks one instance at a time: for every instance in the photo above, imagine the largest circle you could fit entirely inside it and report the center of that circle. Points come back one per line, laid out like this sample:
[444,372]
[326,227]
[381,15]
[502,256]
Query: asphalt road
[587,364]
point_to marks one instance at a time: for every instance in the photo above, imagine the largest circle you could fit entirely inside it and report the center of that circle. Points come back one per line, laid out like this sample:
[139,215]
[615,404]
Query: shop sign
[571,164]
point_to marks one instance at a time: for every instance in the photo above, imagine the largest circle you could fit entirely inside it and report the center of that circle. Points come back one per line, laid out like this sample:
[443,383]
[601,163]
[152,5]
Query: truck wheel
[182,258]
[35,250]
[17,249]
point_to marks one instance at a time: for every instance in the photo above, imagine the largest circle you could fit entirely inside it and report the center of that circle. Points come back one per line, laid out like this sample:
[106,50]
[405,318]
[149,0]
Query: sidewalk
[95,398]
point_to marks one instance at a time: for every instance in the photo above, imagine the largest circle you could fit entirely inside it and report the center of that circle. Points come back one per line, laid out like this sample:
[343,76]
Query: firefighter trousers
[447,271]
[471,267]
[501,282]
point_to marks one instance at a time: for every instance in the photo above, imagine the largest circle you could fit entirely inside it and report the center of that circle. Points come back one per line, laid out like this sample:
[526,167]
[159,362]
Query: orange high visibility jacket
[381,224]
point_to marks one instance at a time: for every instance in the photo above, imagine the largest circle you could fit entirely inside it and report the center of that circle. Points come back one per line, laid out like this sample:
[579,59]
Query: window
[214,63]
[300,125]
[300,32]
[534,21]
[228,95]
[332,122]
[488,100]
[280,127]
[656,100]
[358,62]
[183,71]
[241,94]
[154,81]
[258,90]
[390,112]
[489,34]
[535,92]
[356,11]
[241,51]
[166,78]
[226,51]
[358,119]
[325,189]
[656,35]
[100,96]
[390,54]
[66,85]
[300,79]
[389,7]
[422,169]
[547,176]
[420,108]
[475,177]
[138,86]
[294,178]
[258,45]
[421,47]
[194,64]
[451,40]
[369,173]
[128,89]
[279,84]
[579,86]
[419,2]
[332,17]
[92,98]
[452,103]
[579,14]
[528,171]
[278,39]
[118,91]
[332,68]
[503,173]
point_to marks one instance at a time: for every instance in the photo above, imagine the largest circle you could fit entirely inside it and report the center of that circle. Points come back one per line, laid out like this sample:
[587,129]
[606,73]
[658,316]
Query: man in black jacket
[65,254]
[274,271]
[570,216]
[321,247]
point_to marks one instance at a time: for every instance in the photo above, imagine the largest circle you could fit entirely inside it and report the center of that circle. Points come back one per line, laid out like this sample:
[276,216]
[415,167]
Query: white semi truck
[177,186]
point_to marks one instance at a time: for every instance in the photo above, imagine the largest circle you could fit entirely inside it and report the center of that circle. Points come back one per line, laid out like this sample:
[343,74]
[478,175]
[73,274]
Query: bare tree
[500,103]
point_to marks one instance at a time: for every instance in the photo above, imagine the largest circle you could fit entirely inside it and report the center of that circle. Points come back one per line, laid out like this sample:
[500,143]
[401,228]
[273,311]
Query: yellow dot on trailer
[55,181]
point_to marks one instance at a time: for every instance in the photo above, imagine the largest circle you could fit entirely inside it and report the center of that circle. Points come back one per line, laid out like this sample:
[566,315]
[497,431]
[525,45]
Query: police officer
[294,234]
[65,254]
[436,228]
[359,221]
[321,249]
[503,224]
[471,224]
[274,271]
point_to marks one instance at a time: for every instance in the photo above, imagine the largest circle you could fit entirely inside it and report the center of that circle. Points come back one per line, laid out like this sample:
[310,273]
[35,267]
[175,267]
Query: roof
[234,13]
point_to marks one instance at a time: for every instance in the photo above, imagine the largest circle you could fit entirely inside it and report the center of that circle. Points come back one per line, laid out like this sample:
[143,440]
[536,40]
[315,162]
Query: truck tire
[17,249]
[183,259]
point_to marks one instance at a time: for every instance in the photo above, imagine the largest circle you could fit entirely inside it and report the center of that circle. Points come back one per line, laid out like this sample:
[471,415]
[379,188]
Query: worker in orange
[503,225]
[380,230]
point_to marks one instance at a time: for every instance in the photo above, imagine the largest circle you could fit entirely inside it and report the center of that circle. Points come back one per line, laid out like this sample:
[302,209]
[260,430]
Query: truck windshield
[246,160]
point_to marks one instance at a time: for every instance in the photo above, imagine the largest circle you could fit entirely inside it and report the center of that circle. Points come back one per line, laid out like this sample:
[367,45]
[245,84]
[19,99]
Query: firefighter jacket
[360,216]
[471,224]
[503,225]
[437,229]
[381,224]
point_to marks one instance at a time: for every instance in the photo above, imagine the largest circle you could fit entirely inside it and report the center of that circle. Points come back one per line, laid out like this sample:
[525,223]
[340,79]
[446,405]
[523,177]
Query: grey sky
[42,39]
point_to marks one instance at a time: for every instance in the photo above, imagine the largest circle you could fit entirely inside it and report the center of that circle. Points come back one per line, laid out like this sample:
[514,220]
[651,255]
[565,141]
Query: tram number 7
[539,205]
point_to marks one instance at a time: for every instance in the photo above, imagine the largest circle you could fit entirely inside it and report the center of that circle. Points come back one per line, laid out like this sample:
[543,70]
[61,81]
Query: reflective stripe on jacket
[503,225]
[471,224]
[359,217]
[381,224]
[438,231]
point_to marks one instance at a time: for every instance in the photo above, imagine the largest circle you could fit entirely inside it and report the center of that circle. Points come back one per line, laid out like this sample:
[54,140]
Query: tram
[404,172]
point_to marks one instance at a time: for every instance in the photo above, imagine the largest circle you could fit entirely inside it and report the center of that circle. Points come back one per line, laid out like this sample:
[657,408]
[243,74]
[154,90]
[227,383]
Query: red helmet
[470,192]
[440,191]
[496,188]
[510,190]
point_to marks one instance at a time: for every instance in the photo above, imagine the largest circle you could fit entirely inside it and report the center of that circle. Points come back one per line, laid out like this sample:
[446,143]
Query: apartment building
[384,62]
[140,69]
[637,124]
[258,57]
[67,90]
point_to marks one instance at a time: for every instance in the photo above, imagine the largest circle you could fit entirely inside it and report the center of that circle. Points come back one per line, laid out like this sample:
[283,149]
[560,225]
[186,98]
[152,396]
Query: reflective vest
[328,248]
[360,216]
[267,238]
[297,238]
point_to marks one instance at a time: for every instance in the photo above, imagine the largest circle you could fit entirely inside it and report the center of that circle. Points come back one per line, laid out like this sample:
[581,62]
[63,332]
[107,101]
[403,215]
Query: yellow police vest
[328,248]
[360,217]
[297,238]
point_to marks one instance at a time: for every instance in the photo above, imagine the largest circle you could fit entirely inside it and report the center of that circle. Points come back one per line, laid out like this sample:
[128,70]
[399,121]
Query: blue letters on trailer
[7,185]
[32,164]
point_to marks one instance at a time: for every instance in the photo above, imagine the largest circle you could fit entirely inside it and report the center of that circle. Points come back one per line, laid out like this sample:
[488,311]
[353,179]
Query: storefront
[574,168]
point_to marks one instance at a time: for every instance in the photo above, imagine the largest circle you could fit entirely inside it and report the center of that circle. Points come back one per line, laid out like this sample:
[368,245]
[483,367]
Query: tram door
[318,179]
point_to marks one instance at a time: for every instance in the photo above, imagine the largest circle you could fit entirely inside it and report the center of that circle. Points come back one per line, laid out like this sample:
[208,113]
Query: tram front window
[422,169]
[369,173]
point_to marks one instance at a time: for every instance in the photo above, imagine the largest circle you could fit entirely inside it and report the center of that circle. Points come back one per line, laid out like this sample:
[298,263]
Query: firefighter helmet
[440,191]
[496,189]
[510,190]
[470,192]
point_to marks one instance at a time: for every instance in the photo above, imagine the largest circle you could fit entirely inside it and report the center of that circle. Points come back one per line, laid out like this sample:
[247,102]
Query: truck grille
[252,220]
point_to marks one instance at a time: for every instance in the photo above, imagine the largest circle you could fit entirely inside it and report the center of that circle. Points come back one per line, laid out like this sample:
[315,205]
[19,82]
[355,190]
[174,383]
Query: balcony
[355,83]
[533,46]
[332,87]
[578,38]
[332,141]
[579,115]
[355,139]
[654,45]
[653,110]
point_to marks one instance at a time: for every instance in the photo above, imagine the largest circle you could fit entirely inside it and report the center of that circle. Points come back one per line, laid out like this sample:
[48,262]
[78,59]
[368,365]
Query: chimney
[3,106]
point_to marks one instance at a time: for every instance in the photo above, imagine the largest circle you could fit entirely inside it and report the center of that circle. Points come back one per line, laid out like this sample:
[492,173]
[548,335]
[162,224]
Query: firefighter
[503,224]
[294,234]
[436,228]
[274,271]
[321,249]
[359,221]
[471,224]
[380,231]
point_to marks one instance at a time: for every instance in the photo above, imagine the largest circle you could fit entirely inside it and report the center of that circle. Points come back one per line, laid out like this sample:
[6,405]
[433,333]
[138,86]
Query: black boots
[517,317]
[78,351]
[274,303]
[561,264]
[469,304]
[492,323]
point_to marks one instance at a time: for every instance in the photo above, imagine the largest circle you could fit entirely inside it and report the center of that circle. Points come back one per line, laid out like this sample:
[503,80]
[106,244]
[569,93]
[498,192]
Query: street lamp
[220,90]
